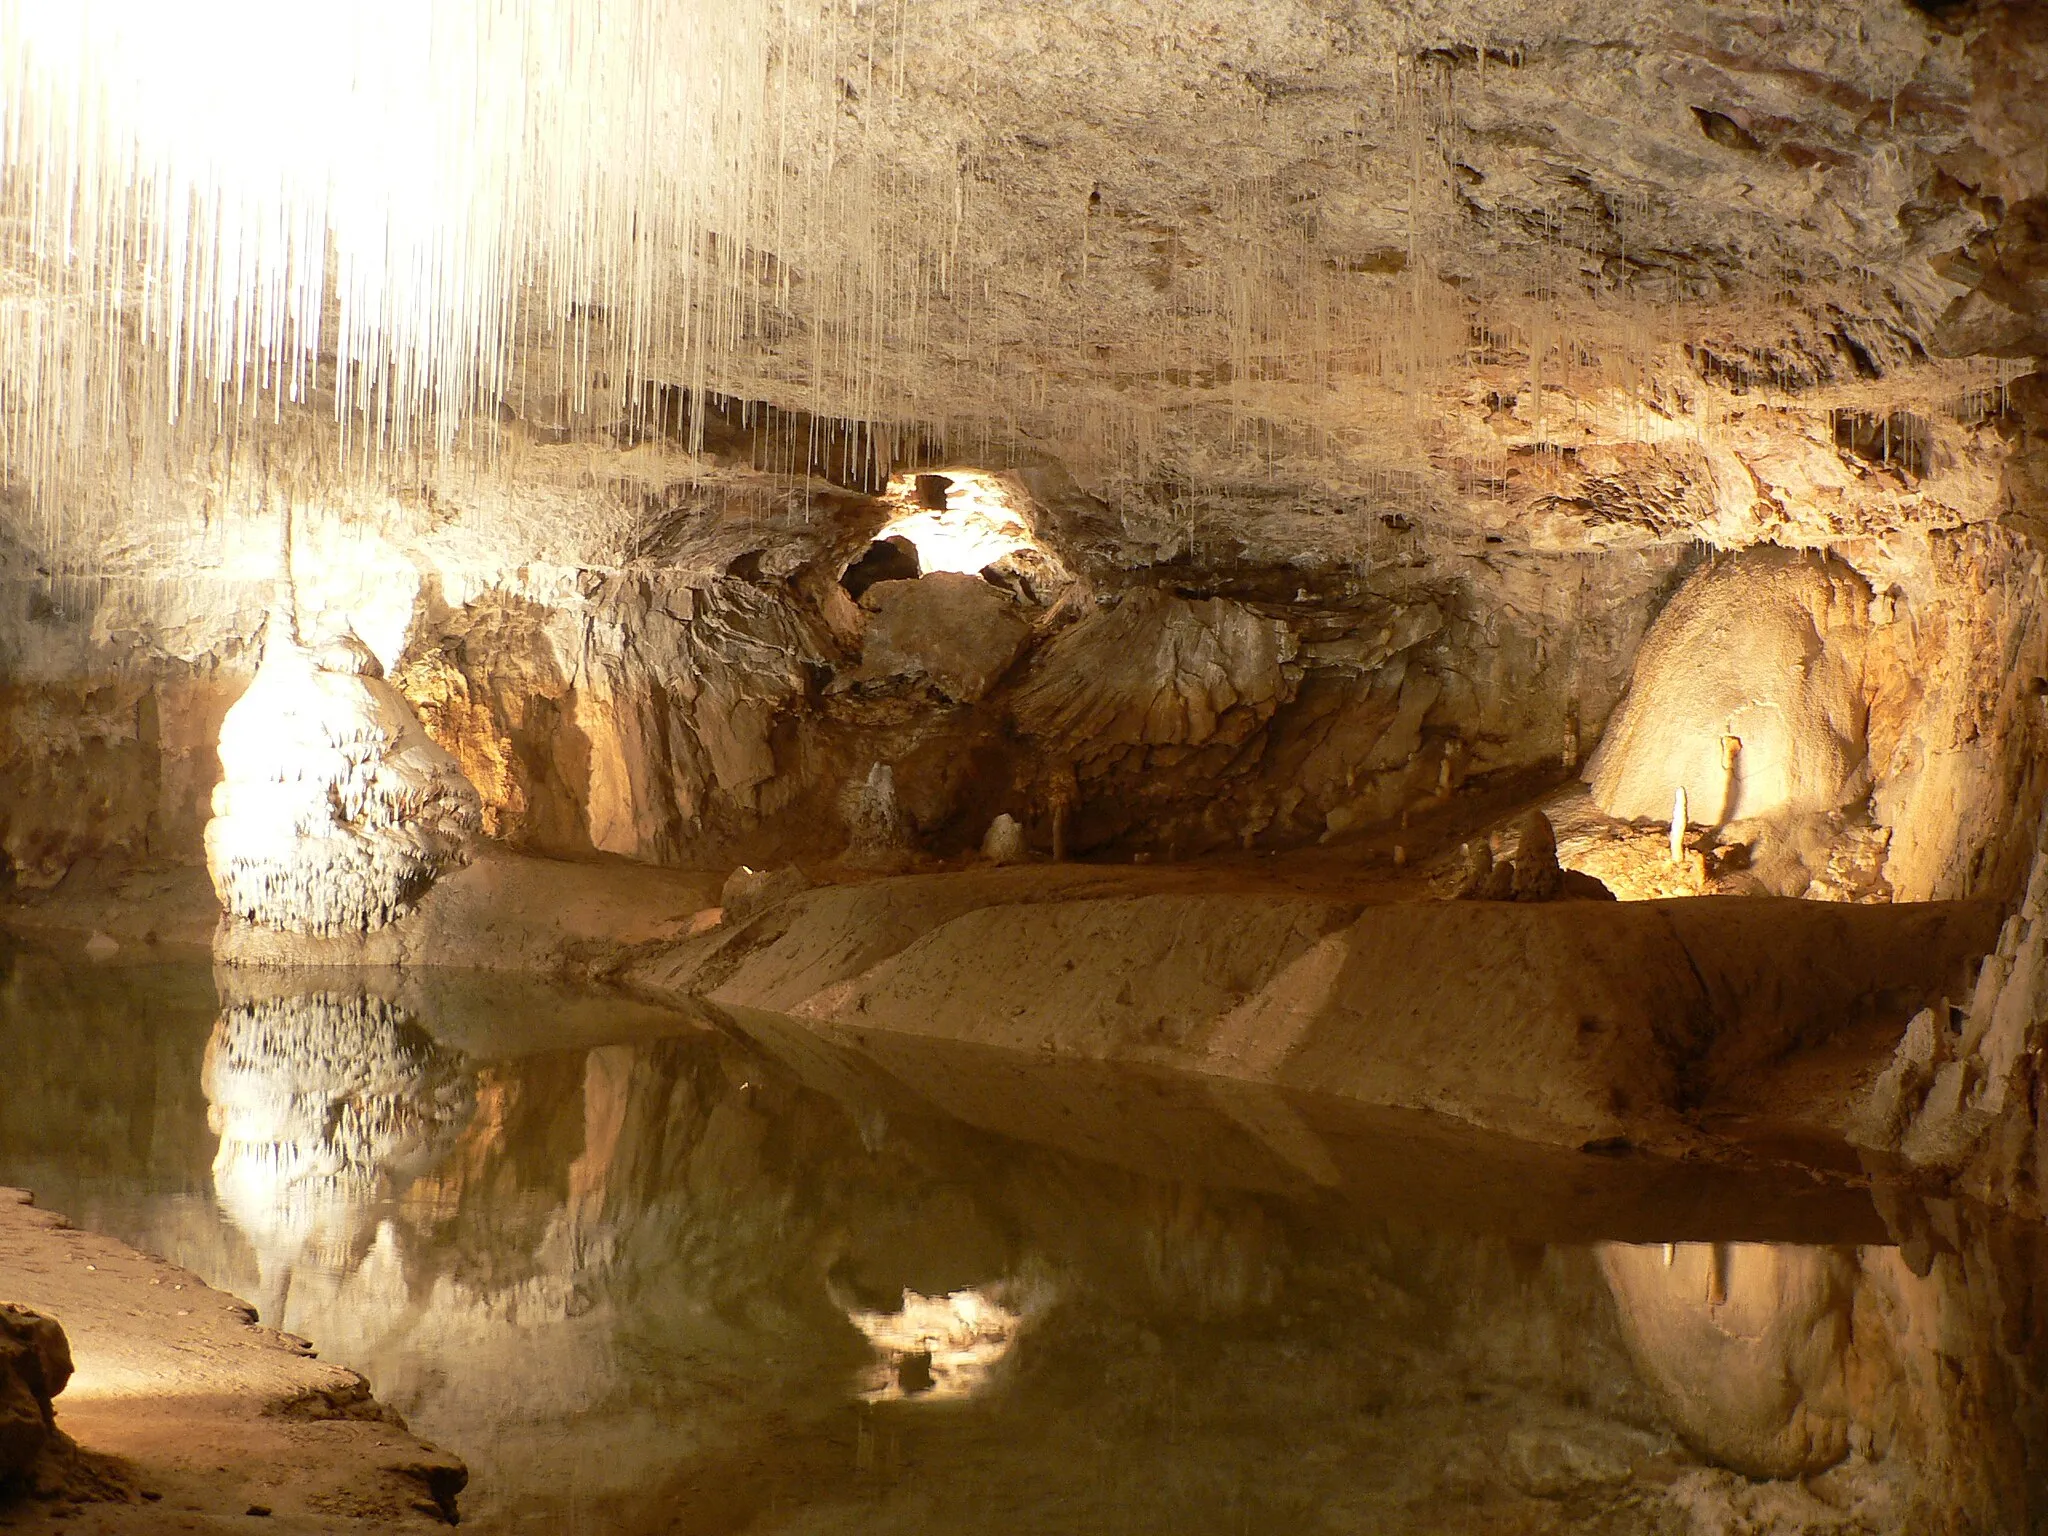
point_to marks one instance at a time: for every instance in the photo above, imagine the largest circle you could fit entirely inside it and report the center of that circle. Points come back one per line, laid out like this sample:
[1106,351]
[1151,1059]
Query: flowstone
[1748,696]
[335,811]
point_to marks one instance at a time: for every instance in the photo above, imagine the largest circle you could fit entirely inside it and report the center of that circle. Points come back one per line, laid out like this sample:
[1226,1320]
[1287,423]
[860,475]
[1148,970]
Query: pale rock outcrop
[335,810]
[1964,1092]
[35,1363]
[1748,695]
[1005,843]
[957,633]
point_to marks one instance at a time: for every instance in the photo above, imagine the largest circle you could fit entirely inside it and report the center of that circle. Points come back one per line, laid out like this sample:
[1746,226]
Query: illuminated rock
[335,810]
[957,633]
[1005,843]
[1766,648]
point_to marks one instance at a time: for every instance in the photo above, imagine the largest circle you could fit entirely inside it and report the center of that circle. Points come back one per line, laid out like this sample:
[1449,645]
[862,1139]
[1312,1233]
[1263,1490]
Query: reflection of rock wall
[335,810]
[624,1278]
[1905,1379]
[326,1106]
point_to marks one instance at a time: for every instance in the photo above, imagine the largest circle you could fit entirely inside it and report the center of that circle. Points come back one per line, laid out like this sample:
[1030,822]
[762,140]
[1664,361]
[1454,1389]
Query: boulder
[35,1363]
[955,632]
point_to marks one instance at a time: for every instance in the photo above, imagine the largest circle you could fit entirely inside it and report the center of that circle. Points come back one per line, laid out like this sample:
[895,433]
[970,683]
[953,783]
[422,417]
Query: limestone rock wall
[1966,1090]
[109,710]
[720,696]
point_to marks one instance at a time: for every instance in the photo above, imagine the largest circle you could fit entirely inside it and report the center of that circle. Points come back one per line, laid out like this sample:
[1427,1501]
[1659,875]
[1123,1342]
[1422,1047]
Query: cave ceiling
[1312,281]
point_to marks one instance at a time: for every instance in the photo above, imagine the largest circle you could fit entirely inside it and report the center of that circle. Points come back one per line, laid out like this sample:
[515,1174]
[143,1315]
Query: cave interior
[1315,731]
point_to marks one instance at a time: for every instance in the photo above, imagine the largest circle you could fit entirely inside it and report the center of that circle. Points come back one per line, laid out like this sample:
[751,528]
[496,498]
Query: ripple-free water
[649,1272]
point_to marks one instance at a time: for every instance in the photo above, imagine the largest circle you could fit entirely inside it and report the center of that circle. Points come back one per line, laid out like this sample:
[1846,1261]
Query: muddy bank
[184,1414]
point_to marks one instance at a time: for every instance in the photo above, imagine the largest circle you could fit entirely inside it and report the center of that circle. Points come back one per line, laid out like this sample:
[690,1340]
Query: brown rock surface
[35,1363]
[1565,1023]
[956,632]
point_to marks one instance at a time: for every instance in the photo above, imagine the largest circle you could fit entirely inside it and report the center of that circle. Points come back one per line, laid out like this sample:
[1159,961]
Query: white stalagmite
[335,810]
[1678,823]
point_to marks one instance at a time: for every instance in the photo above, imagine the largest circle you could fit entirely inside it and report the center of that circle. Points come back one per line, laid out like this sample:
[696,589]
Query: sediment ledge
[185,1414]
[1567,1023]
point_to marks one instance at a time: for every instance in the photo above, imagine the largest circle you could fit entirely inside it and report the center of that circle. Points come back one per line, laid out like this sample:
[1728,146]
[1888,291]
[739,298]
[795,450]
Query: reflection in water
[1745,1344]
[713,1280]
[938,1347]
[327,1106]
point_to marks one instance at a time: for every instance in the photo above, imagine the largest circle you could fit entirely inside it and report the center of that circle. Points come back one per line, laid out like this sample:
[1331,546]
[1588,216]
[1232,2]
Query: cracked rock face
[335,810]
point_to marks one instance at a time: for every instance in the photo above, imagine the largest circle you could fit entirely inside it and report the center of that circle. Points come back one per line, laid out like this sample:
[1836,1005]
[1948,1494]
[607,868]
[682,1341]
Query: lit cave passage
[967,767]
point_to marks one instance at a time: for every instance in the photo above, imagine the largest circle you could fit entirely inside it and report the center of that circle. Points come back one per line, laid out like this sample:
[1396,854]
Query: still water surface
[655,1273]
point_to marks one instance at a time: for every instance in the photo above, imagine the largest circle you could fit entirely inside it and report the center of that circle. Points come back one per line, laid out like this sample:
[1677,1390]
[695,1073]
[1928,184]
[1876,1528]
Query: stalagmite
[335,811]
[1678,825]
[878,833]
[1005,843]
[1062,797]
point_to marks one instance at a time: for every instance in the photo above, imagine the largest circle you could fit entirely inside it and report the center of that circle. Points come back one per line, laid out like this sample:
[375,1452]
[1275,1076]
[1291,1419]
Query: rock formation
[35,1363]
[1005,843]
[1764,649]
[1531,874]
[335,810]
[958,633]
[1965,1092]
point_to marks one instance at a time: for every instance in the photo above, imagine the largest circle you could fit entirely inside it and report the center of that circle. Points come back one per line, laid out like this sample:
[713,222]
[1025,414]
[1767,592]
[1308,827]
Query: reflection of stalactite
[326,1107]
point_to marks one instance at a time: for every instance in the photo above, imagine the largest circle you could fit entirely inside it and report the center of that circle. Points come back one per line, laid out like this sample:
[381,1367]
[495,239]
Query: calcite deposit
[335,810]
